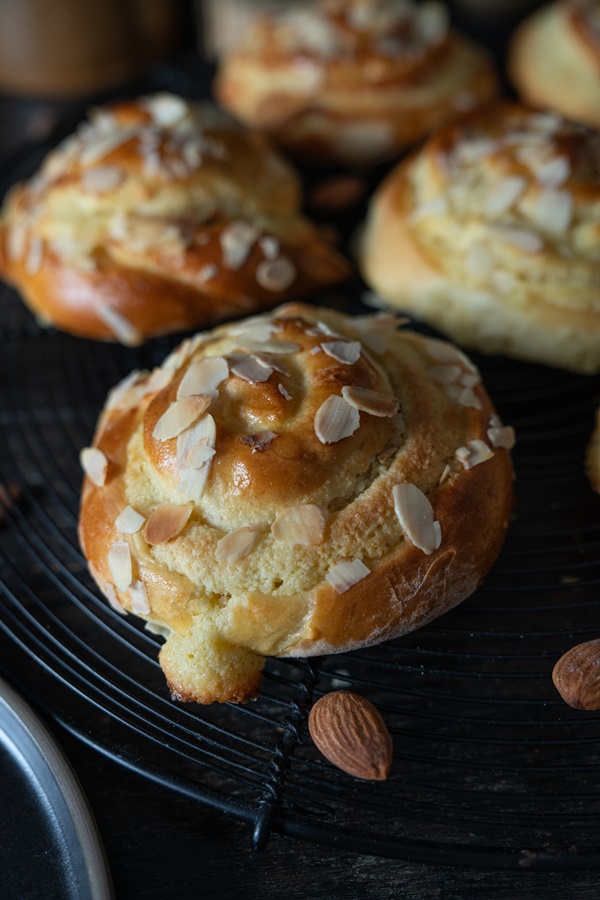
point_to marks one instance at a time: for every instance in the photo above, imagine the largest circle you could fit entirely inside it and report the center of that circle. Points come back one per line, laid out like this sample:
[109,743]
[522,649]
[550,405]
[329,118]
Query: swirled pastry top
[502,211]
[554,59]
[295,484]
[334,78]
[157,215]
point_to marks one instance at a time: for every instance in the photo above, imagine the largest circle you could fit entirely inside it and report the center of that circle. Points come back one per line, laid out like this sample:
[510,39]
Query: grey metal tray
[49,843]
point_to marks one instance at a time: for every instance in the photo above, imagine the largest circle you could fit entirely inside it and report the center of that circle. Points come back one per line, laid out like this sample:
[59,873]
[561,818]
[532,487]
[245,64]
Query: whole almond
[576,676]
[351,734]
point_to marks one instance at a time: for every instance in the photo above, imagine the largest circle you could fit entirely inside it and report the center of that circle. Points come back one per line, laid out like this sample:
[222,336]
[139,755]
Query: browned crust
[404,590]
[156,302]
[592,459]
[286,117]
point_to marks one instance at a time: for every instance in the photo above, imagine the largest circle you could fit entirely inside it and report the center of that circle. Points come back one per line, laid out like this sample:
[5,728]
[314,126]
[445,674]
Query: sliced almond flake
[276,274]
[448,354]
[183,352]
[124,331]
[472,151]
[249,369]
[276,347]
[495,421]
[199,455]
[271,362]
[236,241]
[237,544]
[207,273]
[437,206]
[372,402]
[547,122]
[96,148]
[35,255]
[285,394]
[260,440]
[111,596]
[550,210]
[474,453]
[269,246]
[554,172]
[303,523]
[119,562]
[448,374]
[166,109]
[179,416]
[138,597]
[478,261]
[203,377]
[95,464]
[503,436]
[158,380]
[346,573]
[335,420]
[165,523]
[203,432]
[314,350]
[469,379]
[323,328]
[444,475]
[504,195]
[192,482]
[415,514]
[16,241]
[129,521]
[503,282]
[102,180]
[469,398]
[256,330]
[124,394]
[347,352]
[534,157]
[432,22]
[155,626]
[526,241]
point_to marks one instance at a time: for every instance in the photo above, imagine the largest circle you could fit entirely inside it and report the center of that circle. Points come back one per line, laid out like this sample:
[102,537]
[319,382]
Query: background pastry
[353,82]
[491,234]
[554,59]
[593,456]
[295,484]
[160,215]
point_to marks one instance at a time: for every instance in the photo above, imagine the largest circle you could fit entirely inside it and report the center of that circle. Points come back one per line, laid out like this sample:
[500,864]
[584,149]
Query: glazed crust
[337,83]
[151,222]
[593,456]
[283,597]
[554,60]
[489,233]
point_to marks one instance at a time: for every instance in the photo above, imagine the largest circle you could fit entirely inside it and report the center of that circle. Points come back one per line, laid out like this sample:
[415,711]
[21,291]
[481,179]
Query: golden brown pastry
[160,215]
[353,82]
[593,456]
[299,483]
[554,59]
[491,233]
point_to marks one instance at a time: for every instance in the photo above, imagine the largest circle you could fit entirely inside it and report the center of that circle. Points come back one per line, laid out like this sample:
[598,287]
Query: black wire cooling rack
[490,767]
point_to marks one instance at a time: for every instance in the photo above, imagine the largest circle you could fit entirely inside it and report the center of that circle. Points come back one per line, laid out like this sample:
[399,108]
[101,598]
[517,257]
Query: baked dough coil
[554,59]
[353,82]
[491,234]
[299,483]
[156,216]
[593,456]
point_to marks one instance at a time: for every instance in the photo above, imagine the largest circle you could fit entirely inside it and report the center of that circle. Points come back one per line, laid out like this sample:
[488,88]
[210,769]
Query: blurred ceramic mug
[71,48]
